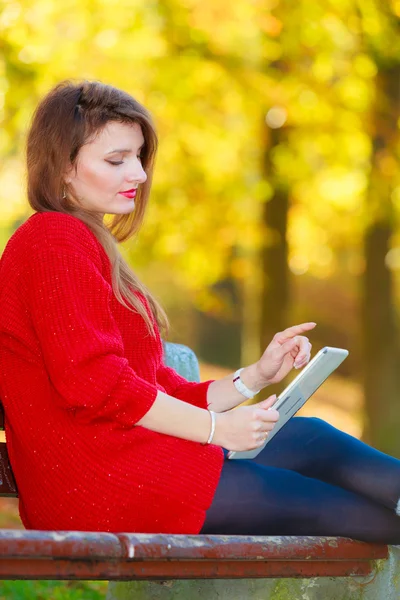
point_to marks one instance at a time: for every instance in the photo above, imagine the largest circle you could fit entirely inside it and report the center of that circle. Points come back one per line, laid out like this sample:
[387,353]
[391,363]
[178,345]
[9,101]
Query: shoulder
[46,232]
[57,227]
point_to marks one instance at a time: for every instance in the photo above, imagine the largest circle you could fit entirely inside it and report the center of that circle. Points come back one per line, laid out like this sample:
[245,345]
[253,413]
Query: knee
[310,425]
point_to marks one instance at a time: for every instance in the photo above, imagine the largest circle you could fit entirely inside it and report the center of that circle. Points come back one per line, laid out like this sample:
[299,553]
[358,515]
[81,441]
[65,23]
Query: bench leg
[383,584]
[197,589]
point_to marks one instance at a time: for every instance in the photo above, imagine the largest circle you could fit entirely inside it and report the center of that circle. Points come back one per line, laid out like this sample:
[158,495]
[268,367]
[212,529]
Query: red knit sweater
[77,371]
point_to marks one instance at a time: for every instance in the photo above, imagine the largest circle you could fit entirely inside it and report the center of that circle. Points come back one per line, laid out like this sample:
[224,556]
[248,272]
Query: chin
[127,208]
[120,211]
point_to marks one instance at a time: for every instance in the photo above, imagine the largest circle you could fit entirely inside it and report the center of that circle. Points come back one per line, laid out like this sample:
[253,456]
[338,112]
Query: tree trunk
[381,353]
[274,253]
[379,321]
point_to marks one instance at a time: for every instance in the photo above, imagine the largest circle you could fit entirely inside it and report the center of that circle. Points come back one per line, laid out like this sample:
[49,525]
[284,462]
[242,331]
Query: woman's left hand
[288,348]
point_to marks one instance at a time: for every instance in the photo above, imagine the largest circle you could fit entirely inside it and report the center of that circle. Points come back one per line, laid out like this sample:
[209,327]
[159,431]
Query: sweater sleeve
[189,391]
[69,302]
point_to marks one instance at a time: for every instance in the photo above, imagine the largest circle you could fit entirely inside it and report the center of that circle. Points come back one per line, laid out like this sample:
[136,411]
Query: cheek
[100,177]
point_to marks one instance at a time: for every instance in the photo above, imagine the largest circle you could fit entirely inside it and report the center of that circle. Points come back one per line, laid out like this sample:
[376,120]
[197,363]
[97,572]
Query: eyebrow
[121,150]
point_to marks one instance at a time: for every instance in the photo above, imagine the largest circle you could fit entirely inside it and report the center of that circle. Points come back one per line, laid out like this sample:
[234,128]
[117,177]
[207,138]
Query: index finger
[291,332]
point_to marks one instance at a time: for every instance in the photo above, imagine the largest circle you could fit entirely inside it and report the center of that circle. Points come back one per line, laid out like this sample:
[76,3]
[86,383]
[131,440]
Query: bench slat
[89,555]
[145,547]
[236,547]
[73,545]
[111,570]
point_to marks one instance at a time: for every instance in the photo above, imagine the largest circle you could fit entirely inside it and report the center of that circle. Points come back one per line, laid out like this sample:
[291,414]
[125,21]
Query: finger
[291,332]
[268,402]
[304,351]
[296,349]
[260,442]
[303,357]
[264,426]
[261,437]
[263,434]
[268,427]
[288,347]
[271,415]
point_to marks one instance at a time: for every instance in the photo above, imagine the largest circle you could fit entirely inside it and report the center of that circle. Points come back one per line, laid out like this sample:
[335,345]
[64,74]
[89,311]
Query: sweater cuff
[194,393]
[133,397]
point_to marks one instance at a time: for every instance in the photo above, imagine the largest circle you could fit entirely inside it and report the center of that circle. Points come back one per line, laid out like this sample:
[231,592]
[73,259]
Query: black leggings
[311,479]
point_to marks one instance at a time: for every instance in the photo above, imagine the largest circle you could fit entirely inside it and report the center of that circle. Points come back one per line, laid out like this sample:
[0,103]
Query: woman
[101,434]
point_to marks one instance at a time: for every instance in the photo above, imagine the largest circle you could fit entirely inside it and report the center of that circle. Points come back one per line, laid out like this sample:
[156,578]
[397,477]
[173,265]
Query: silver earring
[64,193]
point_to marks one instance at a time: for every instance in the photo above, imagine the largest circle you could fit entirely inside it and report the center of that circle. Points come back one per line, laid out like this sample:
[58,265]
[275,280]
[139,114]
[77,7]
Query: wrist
[212,426]
[252,377]
[218,439]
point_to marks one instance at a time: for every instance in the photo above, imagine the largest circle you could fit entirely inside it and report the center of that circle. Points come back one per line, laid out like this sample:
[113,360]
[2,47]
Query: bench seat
[96,556]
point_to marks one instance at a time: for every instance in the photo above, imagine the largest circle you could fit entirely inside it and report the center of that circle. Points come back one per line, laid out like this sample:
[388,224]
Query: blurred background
[276,195]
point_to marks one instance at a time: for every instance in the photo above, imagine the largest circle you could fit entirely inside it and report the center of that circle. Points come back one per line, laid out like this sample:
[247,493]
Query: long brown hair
[67,118]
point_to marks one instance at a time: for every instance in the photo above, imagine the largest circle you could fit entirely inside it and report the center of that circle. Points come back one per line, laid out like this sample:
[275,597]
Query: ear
[69,173]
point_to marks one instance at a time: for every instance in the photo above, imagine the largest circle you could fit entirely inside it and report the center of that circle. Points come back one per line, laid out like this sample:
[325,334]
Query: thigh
[316,449]
[306,444]
[255,500]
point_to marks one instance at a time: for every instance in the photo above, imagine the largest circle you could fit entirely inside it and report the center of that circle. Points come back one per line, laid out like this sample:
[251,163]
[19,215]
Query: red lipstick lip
[129,193]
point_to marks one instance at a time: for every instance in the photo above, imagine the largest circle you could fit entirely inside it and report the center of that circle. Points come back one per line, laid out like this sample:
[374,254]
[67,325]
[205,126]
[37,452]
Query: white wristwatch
[241,387]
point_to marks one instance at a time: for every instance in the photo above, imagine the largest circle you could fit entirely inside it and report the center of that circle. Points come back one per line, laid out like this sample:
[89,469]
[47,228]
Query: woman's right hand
[246,427]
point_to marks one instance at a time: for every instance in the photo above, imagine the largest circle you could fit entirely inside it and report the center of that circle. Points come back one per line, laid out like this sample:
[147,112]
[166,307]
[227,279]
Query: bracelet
[241,387]
[212,431]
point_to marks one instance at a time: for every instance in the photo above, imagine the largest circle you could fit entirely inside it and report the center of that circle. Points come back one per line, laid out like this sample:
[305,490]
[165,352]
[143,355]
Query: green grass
[43,590]
[53,590]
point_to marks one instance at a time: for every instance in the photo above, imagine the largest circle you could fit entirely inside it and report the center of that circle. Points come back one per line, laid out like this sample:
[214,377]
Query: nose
[137,174]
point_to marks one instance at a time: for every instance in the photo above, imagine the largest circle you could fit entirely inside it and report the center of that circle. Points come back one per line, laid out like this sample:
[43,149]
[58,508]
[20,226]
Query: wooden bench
[127,556]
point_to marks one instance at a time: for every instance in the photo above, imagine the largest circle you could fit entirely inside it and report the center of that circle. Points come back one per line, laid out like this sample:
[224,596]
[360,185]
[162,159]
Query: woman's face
[108,170]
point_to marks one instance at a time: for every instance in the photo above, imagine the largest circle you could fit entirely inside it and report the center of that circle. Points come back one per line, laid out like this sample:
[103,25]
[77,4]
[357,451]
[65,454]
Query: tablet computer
[299,391]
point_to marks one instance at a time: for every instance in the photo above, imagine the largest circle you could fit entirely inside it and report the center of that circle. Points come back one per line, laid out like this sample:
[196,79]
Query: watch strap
[242,387]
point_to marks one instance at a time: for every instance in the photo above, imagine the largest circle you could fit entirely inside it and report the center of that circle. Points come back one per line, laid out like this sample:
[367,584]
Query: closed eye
[121,162]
